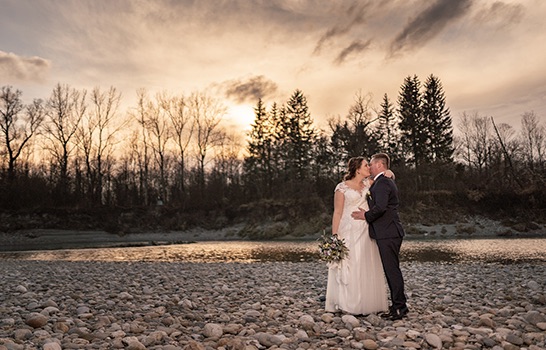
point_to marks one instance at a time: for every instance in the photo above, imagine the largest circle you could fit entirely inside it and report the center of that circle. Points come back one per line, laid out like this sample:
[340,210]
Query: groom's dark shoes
[396,314]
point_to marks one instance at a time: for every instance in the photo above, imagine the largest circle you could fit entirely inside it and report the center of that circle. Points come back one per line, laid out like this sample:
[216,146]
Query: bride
[356,285]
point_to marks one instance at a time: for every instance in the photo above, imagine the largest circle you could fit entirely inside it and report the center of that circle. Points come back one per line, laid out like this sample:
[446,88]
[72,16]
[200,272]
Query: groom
[385,227]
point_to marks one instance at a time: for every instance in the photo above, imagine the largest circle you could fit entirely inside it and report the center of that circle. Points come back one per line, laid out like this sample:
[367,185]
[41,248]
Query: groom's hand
[359,214]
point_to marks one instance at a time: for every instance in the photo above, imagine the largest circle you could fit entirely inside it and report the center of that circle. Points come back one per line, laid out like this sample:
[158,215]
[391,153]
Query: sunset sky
[489,55]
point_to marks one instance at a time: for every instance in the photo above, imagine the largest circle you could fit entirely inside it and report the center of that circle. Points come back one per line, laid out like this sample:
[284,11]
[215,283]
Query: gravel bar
[55,305]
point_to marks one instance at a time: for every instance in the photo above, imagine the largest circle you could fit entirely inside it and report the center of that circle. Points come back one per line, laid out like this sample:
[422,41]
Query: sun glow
[240,117]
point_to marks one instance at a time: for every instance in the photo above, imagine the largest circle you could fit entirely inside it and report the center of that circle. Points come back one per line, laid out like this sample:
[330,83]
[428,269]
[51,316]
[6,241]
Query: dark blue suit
[385,227]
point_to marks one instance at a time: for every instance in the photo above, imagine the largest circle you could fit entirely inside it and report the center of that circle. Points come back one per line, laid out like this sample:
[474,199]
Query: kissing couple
[366,217]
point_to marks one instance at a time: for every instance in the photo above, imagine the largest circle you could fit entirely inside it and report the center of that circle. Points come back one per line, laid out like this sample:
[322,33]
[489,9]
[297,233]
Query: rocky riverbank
[126,305]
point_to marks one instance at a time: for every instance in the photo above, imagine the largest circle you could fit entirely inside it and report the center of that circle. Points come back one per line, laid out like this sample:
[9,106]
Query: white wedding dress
[357,284]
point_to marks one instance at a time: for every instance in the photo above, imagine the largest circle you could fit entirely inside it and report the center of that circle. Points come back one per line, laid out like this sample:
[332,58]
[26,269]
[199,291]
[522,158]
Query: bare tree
[140,145]
[476,140]
[18,124]
[503,152]
[207,113]
[227,157]
[65,110]
[97,137]
[182,131]
[362,111]
[156,132]
[533,140]
[227,169]
[129,182]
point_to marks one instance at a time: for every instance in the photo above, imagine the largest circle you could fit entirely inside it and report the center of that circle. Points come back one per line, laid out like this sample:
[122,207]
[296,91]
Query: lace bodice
[353,199]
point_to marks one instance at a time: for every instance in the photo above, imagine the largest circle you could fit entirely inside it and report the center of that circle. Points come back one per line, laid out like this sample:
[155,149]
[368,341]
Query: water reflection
[501,250]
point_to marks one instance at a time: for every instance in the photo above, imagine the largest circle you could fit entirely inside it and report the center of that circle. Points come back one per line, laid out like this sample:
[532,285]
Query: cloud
[501,14]
[353,17]
[14,68]
[428,24]
[249,90]
[355,47]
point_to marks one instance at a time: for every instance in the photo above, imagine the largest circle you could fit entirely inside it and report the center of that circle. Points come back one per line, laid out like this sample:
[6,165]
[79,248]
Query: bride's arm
[388,173]
[339,200]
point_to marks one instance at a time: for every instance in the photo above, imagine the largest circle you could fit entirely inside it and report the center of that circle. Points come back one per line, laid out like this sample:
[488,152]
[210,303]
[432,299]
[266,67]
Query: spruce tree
[298,136]
[277,137]
[257,164]
[438,120]
[387,130]
[412,124]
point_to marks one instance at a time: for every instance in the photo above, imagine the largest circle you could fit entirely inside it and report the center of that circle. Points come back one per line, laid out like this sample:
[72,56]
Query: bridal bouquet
[332,249]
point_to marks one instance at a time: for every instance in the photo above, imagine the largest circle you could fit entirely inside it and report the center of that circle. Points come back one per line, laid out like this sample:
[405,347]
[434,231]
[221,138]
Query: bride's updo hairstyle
[352,167]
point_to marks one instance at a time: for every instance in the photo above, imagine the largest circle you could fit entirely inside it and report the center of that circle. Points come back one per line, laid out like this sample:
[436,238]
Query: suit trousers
[389,249]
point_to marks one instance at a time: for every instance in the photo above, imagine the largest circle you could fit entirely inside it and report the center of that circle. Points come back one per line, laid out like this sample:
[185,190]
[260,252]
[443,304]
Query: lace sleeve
[341,187]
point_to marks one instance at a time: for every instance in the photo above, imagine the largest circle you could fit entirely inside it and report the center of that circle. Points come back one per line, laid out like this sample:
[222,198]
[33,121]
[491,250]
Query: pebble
[255,306]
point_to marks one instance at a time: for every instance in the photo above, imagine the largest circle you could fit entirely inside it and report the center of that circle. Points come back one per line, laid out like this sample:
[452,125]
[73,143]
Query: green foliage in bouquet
[332,249]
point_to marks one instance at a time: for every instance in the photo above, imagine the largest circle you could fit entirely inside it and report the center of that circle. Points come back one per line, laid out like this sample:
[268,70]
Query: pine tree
[412,124]
[438,120]
[387,130]
[277,137]
[298,136]
[258,164]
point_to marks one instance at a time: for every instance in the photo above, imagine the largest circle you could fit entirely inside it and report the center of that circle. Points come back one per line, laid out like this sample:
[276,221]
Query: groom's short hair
[383,158]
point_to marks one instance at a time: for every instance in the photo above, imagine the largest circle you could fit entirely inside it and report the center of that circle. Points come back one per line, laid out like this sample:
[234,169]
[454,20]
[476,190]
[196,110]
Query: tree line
[76,149]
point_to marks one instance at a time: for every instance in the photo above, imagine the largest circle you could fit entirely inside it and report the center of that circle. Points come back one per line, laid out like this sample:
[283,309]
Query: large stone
[52,346]
[514,339]
[231,343]
[9,344]
[50,310]
[61,327]
[533,285]
[344,333]
[487,322]
[307,322]
[22,334]
[360,333]
[327,317]
[125,296]
[350,319]
[301,334]
[534,317]
[21,289]
[267,340]
[369,344]
[213,330]
[154,338]
[36,320]
[232,328]
[132,343]
[375,320]
[253,313]
[433,340]
[193,345]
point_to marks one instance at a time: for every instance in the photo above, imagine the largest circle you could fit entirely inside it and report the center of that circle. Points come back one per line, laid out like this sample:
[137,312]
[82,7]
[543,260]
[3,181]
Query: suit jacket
[383,218]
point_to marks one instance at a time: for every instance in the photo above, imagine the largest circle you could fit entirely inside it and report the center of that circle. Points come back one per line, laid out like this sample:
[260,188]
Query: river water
[499,250]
